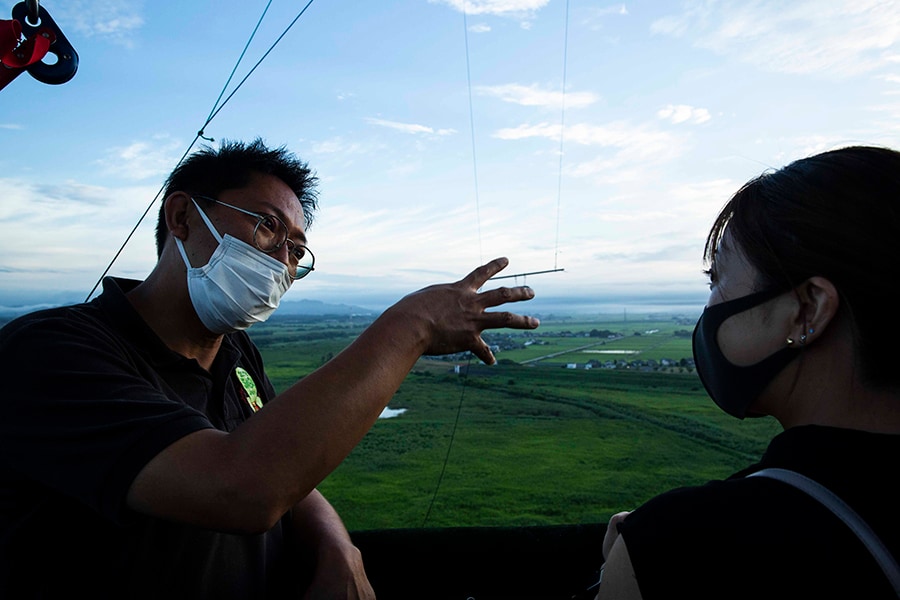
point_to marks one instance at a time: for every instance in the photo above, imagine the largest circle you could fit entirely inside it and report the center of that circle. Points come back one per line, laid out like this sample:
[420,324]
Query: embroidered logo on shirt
[247,382]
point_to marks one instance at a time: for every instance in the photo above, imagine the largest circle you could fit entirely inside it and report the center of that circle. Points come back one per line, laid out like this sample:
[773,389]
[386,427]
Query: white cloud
[701,199]
[832,39]
[337,145]
[522,132]
[495,7]
[595,18]
[629,150]
[412,128]
[143,160]
[534,96]
[614,134]
[681,113]
[802,146]
[81,228]
[615,9]
[480,28]
[116,21]
[14,126]
[402,169]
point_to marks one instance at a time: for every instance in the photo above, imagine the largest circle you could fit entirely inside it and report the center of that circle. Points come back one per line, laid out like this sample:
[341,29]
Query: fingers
[500,320]
[619,516]
[483,352]
[502,295]
[476,278]
[455,314]
[479,276]
[612,531]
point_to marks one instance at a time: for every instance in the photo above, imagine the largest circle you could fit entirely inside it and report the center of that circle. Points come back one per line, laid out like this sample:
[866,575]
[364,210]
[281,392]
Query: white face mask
[239,286]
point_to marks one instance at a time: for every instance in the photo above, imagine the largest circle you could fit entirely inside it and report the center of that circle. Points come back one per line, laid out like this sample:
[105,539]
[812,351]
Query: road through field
[582,348]
[560,353]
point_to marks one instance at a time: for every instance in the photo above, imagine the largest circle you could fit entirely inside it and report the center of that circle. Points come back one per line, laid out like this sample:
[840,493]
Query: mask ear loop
[180,245]
[206,220]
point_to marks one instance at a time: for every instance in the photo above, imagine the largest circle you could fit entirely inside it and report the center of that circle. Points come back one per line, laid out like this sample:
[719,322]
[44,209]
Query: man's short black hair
[209,171]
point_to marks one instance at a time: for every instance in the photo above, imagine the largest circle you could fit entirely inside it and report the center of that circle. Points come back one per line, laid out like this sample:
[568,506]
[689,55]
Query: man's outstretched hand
[453,315]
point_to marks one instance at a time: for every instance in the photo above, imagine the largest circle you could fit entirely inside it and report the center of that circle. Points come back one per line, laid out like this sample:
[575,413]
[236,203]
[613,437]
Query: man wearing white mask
[143,451]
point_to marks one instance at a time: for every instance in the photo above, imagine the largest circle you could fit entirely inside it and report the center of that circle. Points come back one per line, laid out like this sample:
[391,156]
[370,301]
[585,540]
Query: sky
[595,137]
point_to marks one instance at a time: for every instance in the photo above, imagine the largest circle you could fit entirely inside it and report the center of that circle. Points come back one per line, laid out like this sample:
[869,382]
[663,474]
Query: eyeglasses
[270,234]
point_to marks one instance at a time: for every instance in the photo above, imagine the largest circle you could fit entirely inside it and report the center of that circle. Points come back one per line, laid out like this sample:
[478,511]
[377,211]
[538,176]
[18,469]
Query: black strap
[830,500]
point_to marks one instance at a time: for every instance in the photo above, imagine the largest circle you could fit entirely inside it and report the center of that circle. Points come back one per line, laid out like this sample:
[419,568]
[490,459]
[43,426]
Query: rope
[472,133]
[462,395]
[217,107]
[478,220]
[247,76]
[480,258]
[562,130]
[213,111]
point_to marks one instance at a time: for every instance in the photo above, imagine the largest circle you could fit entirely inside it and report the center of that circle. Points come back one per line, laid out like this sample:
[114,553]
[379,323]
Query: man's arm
[338,566]
[246,480]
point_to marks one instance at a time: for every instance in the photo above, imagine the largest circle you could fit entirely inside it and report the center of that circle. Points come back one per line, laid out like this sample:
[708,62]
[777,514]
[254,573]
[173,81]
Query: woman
[801,324]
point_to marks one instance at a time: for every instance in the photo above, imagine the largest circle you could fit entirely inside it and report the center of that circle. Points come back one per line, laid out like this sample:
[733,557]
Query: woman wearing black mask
[801,324]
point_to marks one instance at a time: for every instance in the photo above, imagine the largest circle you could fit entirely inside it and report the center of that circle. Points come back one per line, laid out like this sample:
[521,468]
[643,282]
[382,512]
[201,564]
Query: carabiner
[66,58]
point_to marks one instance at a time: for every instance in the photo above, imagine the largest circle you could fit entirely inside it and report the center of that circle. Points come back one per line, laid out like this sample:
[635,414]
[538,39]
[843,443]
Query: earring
[790,341]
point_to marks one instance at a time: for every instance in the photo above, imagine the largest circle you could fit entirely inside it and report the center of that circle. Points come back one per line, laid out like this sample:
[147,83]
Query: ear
[819,301]
[176,210]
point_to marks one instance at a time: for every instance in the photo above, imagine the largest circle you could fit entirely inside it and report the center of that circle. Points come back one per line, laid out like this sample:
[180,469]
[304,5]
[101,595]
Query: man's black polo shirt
[90,395]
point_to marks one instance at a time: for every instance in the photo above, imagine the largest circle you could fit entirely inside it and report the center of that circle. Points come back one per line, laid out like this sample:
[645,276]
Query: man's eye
[299,253]
[269,223]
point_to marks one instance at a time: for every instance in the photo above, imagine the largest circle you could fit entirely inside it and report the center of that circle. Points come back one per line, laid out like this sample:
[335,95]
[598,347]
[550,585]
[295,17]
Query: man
[133,461]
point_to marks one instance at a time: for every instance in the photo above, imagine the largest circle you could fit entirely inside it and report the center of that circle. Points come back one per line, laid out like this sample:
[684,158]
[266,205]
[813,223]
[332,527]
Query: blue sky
[669,108]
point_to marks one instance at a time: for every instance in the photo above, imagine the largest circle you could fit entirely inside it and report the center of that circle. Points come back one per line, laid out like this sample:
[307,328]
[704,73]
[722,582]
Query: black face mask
[731,387]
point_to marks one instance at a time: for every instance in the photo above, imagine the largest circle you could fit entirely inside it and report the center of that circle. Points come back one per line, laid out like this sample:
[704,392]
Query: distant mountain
[316,307]
[19,306]
[13,304]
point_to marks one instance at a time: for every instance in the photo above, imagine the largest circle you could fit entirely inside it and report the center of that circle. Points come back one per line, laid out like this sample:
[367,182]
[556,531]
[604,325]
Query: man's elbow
[193,488]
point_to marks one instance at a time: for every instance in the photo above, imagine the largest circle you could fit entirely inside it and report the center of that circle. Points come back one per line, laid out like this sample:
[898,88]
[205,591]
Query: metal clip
[17,55]
[66,58]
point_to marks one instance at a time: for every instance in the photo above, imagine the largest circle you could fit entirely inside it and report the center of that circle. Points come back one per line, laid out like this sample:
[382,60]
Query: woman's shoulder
[730,525]
[714,505]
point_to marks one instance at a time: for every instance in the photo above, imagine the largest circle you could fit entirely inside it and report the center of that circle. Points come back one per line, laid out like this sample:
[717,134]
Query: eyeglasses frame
[260,217]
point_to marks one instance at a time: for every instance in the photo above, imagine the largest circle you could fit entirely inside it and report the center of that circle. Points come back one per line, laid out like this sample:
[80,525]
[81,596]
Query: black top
[90,395]
[760,538]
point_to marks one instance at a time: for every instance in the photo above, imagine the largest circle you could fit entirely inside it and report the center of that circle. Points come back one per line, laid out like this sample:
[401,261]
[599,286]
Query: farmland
[578,420]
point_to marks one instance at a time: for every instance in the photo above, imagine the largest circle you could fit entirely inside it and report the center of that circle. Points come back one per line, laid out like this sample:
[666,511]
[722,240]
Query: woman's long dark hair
[835,215]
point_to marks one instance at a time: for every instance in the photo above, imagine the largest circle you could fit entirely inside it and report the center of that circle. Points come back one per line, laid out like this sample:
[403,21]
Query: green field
[532,444]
